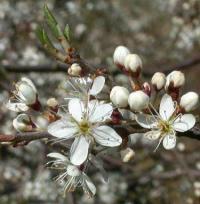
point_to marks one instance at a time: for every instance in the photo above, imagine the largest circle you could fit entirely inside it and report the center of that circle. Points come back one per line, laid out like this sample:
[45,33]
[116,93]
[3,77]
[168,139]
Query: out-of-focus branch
[37,68]
[187,64]
[63,67]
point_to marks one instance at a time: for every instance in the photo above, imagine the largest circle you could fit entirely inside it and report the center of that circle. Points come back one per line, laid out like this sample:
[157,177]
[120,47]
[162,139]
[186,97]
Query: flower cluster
[86,122]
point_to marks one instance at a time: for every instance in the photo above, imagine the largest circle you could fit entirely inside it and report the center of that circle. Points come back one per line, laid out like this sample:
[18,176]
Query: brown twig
[63,67]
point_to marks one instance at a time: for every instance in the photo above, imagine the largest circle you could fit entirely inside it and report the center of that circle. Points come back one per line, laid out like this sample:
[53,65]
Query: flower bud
[119,96]
[23,123]
[127,154]
[74,70]
[146,87]
[119,55]
[158,81]
[189,101]
[26,90]
[175,79]
[133,63]
[138,100]
[52,102]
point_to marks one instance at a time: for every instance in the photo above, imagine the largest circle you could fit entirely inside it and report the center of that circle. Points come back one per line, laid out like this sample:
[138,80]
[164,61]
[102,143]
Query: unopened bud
[138,100]
[119,96]
[119,55]
[133,63]
[52,102]
[158,81]
[175,79]
[147,88]
[189,101]
[127,154]
[74,70]
[23,123]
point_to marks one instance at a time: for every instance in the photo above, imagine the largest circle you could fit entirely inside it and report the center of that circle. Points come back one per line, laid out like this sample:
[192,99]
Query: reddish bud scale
[36,106]
[116,117]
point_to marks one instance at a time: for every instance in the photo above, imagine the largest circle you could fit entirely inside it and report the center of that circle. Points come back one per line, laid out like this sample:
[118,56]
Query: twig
[63,67]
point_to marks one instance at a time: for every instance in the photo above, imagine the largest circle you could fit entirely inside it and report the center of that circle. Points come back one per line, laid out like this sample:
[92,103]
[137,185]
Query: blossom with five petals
[72,174]
[85,123]
[164,124]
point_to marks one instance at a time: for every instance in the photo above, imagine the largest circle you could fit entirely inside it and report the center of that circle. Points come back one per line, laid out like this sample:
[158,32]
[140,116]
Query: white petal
[79,150]
[97,85]
[57,156]
[62,129]
[167,107]
[146,121]
[89,187]
[18,107]
[76,109]
[184,123]
[99,112]
[169,141]
[152,135]
[107,136]
[29,82]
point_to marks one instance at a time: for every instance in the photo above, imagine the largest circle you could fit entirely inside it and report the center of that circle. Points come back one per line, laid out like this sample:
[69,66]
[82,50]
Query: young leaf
[67,32]
[39,34]
[52,23]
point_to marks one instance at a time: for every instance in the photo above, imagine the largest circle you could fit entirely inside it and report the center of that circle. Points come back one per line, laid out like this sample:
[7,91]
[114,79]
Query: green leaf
[49,16]
[52,23]
[47,41]
[67,32]
[39,34]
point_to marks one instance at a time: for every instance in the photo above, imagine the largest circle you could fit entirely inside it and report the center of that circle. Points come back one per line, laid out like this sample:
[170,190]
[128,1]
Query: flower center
[84,126]
[165,126]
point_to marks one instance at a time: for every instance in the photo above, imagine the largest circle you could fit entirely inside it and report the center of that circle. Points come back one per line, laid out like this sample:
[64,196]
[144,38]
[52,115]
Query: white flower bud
[158,80]
[175,79]
[52,102]
[119,96]
[74,70]
[26,90]
[189,101]
[119,55]
[133,63]
[138,100]
[22,123]
[127,154]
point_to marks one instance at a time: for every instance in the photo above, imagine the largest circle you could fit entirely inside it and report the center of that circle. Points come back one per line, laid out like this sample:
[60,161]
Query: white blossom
[82,87]
[24,96]
[72,176]
[119,96]
[119,55]
[164,124]
[86,125]
[189,101]
[138,100]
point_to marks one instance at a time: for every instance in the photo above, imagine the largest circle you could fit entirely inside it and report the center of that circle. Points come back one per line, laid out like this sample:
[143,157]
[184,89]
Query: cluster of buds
[128,62]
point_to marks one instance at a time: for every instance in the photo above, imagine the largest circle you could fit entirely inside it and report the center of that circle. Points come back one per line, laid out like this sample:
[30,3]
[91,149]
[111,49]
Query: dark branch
[63,67]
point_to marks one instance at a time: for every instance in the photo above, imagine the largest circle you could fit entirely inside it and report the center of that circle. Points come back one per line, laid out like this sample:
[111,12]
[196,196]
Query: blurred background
[166,34]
